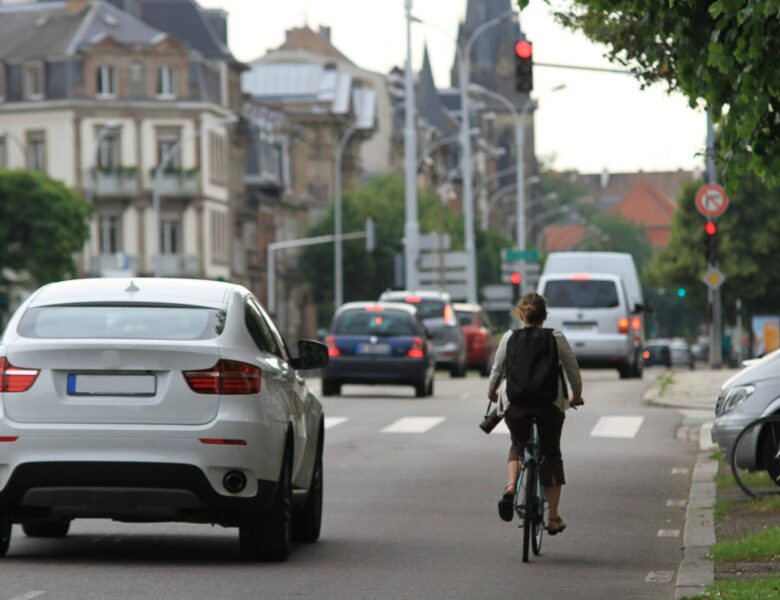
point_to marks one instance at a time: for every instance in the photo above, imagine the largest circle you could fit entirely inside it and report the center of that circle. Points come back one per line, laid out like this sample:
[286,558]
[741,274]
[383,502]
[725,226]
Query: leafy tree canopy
[42,224]
[724,52]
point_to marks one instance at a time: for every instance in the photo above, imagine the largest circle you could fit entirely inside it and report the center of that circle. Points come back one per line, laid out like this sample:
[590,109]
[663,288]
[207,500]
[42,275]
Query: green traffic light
[681,292]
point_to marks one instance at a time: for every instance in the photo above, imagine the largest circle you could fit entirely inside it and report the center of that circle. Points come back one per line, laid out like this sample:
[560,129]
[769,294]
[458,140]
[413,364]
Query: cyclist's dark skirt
[550,423]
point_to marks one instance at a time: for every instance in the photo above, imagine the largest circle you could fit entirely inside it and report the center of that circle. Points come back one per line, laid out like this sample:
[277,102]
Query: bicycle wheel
[755,458]
[537,532]
[530,500]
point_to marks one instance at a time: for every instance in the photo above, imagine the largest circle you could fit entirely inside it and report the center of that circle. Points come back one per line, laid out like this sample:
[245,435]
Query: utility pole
[716,322]
[411,226]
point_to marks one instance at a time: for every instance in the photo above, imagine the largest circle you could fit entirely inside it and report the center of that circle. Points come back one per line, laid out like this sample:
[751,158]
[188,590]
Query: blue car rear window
[364,322]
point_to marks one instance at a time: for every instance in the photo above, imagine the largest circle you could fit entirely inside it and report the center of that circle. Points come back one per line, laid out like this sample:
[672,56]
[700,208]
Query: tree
[724,52]
[42,225]
[615,233]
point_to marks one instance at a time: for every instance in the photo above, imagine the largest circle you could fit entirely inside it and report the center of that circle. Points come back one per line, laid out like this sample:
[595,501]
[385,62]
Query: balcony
[114,265]
[179,184]
[119,183]
[179,265]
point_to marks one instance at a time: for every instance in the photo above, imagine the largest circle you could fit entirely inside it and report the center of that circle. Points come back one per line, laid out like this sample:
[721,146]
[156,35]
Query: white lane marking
[413,425]
[659,577]
[464,395]
[680,470]
[333,421]
[501,428]
[28,596]
[668,533]
[617,427]
[676,503]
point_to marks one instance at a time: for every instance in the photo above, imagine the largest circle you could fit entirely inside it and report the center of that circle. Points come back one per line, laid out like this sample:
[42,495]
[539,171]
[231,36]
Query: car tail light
[646,354]
[375,308]
[222,442]
[418,348]
[623,325]
[636,324]
[9,438]
[449,315]
[227,377]
[13,379]
[333,349]
[580,277]
[413,299]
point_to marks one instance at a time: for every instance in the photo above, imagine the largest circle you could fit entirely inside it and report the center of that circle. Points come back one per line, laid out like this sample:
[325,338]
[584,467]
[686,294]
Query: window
[109,158]
[36,151]
[136,83]
[106,82]
[167,138]
[217,159]
[571,293]
[2,82]
[33,82]
[166,82]
[259,331]
[219,238]
[170,236]
[380,323]
[3,153]
[109,234]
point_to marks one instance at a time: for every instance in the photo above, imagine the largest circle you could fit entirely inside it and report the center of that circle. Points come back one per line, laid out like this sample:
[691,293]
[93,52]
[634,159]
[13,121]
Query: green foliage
[723,52]
[42,224]
[764,545]
[742,589]
[368,274]
[615,233]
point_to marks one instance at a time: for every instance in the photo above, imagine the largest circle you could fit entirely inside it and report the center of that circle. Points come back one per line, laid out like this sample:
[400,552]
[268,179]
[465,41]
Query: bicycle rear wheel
[755,458]
[530,502]
[537,532]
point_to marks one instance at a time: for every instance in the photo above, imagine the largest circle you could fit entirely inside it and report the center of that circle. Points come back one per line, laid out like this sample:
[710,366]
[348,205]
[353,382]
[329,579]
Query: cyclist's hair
[532,308]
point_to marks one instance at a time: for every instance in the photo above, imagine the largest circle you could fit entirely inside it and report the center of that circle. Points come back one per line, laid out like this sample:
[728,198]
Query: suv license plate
[111,385]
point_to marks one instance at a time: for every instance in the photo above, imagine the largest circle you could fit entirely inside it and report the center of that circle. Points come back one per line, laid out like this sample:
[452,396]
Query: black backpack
[532,367]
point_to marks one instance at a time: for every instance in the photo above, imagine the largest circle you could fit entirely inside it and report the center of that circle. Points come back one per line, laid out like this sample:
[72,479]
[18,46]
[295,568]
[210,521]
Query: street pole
[411,226]
[338,272]
[716,335]
[468,198]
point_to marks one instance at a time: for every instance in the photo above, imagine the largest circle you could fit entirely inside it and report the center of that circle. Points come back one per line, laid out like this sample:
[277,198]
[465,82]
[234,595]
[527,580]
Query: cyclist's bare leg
[513,468]
[553,495]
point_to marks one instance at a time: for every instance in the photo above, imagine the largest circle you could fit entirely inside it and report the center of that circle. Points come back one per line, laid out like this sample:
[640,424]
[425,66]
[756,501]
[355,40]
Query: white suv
[158,399]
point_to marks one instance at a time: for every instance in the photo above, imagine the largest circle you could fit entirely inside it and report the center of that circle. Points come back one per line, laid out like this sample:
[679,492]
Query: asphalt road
[413,514]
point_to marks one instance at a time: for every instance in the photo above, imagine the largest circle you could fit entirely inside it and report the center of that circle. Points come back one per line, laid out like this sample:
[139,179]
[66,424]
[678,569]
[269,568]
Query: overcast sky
[598,121]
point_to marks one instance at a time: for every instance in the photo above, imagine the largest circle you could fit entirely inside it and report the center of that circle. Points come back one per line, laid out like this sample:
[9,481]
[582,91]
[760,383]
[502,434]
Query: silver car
[752,393]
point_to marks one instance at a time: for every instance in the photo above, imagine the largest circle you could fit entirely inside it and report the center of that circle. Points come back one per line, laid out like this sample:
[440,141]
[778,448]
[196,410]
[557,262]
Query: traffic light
[524,66]
[682,292]
[517,280]
[711,242]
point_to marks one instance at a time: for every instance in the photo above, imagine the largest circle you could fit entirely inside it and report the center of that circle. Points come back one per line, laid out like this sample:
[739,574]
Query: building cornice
[102,105]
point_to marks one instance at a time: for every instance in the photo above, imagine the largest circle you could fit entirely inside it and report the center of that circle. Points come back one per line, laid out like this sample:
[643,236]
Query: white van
[594,311]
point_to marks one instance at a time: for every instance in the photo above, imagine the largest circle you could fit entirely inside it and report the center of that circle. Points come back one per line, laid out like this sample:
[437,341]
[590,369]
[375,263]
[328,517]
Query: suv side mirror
[311,355]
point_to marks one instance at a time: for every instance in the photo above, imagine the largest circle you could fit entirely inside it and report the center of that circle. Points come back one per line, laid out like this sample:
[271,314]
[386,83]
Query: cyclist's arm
[497,370]
[570,366]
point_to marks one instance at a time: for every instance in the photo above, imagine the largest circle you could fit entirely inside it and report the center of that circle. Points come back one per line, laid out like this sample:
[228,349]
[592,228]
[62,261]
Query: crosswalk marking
[333,421]
[617,427]
[668,533]
[29,595]
[659,577]
[413,425]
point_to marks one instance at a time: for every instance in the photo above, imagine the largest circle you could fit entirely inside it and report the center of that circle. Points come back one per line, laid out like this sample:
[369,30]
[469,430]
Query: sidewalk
[693,394]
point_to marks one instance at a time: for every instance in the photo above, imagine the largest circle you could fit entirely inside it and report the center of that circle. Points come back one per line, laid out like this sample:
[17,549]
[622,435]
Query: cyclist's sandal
[505,505]
[561,526]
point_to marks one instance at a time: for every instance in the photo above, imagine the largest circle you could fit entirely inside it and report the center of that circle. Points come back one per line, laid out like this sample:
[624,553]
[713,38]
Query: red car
[480,342]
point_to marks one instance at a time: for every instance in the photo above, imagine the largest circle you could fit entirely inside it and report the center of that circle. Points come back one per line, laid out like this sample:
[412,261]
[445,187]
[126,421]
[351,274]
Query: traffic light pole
[716,334]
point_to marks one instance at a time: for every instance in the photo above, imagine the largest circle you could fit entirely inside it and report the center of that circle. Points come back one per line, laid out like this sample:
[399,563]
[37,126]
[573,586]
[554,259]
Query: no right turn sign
[711,200]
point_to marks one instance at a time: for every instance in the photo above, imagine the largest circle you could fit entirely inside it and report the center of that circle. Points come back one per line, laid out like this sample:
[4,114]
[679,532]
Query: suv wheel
[267,537]
[624,369]
[421,389]
[307,520]
[5,532]
[330,388]
[458,370]
[46,528]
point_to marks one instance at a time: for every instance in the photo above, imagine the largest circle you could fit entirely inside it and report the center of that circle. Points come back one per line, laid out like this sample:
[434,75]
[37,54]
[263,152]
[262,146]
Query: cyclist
[532,310]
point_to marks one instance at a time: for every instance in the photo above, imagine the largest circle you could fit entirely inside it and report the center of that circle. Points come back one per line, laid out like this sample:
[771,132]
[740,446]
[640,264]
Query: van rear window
[589,293]
[363,322]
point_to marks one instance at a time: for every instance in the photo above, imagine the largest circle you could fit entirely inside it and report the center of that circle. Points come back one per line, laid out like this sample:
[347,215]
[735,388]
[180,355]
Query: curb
[696,571]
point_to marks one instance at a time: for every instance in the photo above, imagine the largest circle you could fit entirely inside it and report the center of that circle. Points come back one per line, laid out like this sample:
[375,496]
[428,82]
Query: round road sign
[711,200]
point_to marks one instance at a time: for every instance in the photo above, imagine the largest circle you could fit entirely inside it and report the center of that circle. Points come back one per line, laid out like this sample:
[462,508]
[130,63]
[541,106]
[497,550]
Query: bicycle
[529,501]
[755,457]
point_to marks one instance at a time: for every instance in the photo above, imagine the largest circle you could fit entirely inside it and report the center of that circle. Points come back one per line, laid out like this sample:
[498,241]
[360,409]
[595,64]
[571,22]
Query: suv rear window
[123,322]
[576,293]
[373,322]
[466,318]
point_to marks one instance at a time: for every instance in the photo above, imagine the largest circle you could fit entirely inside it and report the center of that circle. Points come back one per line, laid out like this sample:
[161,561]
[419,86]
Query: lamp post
[157,183]
[411,223]
[338,275]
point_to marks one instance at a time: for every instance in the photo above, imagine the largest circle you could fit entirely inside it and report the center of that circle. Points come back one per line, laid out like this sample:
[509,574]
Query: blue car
[378,343]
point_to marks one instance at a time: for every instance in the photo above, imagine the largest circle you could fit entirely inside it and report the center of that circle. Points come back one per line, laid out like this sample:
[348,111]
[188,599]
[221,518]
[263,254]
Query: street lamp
[157,183]
[337,215]
[411,223]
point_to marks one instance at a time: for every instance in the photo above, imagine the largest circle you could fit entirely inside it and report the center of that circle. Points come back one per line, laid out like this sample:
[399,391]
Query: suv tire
[330,388]
[46,528]
[624,370]
[307,520]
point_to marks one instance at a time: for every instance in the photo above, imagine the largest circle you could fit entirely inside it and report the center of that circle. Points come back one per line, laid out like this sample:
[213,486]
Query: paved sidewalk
[689,389]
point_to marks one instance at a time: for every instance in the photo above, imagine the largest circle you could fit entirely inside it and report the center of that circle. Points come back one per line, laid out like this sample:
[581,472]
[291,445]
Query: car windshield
[466,318]
[427,308]
[373,322]
[122,322]
[576,293]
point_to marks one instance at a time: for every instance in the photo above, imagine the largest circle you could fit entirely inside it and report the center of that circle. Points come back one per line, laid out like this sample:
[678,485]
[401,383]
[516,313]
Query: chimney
[325,32]
[77,6]
[604,179]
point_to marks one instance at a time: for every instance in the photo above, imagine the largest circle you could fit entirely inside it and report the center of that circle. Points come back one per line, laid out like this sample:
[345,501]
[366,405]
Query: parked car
[158,400]
[682,355]
[480,342]
[752,393]
[594,312]
[438,315]
[657,352]
[378,343]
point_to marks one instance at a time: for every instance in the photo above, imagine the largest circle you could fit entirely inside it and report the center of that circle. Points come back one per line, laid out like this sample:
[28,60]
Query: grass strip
[755,479]
[764,545]
[765,505]
[742,589]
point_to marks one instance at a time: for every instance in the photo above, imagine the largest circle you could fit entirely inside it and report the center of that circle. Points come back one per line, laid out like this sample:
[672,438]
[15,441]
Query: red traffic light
[524,49]
[516,278]
[710,228]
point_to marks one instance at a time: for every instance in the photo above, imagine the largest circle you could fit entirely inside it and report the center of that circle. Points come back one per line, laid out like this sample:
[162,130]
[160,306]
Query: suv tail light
[333,349]
[227,377]
[449,316]
[623,324]
[418,348]
[14,380]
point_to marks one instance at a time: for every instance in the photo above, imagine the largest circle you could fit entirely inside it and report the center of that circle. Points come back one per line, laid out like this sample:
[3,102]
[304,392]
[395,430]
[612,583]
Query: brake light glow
[449,315]
[8,438]
[418,348]
[227,377]
[646,354]
[222,442]
[623,325]
[636,323]
[333,349]
[581,277]
[413,299]
[374,308]
[13,379]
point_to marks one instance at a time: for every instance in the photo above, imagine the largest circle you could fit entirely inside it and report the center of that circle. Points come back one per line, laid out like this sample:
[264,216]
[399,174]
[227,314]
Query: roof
[49,30]
[305,38]
[186,21]
[649,207]
[195,292]
[429,103]
[607,189]
[402,306]
[563,237]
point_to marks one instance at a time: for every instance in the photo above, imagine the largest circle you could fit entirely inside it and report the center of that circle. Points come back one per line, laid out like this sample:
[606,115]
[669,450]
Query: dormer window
[166,82]
[2,82]
[106,82]
[33,81]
